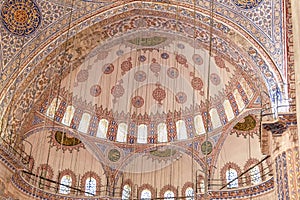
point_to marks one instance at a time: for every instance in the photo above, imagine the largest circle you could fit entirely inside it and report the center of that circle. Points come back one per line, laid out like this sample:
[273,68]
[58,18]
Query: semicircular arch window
[231,178]
[169,195]
[126,192]
[255,175]
[90,186]
[146,194]
[189,193]
[65,184]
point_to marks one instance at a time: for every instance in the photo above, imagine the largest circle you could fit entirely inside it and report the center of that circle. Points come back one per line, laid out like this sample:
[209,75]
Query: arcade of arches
[152,99]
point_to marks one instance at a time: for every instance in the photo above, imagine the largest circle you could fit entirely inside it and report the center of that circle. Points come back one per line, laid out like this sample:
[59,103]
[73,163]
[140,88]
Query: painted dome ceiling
[153,83]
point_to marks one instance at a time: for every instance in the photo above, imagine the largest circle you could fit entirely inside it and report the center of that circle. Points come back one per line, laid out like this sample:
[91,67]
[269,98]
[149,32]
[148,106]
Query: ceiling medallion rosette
[21,17]
[159,94]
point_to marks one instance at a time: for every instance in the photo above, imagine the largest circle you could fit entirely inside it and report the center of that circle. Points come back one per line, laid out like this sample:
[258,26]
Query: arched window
[181,130]
[255,175]
[68,115]
[162,132]
[231,175]
[228,110]
[199,126]
[90,186]
[146,194]
[169,195]
[84,123]
[53,107]
[189,193]
[122,132]
[202,186]
[65,184]
[126,192]
[239,99]
[215,118]
[142,134]
[102,128]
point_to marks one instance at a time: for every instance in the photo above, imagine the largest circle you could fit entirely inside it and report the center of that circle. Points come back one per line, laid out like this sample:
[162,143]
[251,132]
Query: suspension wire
[207,103]
[194,96]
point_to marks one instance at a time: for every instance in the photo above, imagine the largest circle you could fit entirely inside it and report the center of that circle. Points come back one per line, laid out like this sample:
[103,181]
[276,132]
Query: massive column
[280,140]
[296,37]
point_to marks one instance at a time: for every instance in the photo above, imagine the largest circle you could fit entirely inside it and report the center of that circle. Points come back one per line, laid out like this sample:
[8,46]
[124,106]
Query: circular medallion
[108,68]
[120,52]
[159,94]
[82,75]
[247,4]
[21,17]
[95,90]
[173,72]
[206,147]
[117,91]
[215,79]
[142,58]
[181,97]
[197,59]
[140,76]
[164,56]
[155,67]
[180,46]
[137,101]
[197,83]
[114,155]
[181,59]
[126,65]
[102,55]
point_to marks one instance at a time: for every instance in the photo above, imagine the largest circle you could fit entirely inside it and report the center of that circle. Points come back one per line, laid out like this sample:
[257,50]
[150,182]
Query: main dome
[152,87]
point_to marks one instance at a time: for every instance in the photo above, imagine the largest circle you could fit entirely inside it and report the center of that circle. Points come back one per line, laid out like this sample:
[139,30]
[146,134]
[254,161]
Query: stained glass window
[65,184]
[90,186]
[126,192]
[255,175]
[169,195]
[189,193]
[231,175]
[146,194]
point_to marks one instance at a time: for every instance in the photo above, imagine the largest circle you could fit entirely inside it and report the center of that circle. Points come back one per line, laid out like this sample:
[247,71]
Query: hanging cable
[207,103]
